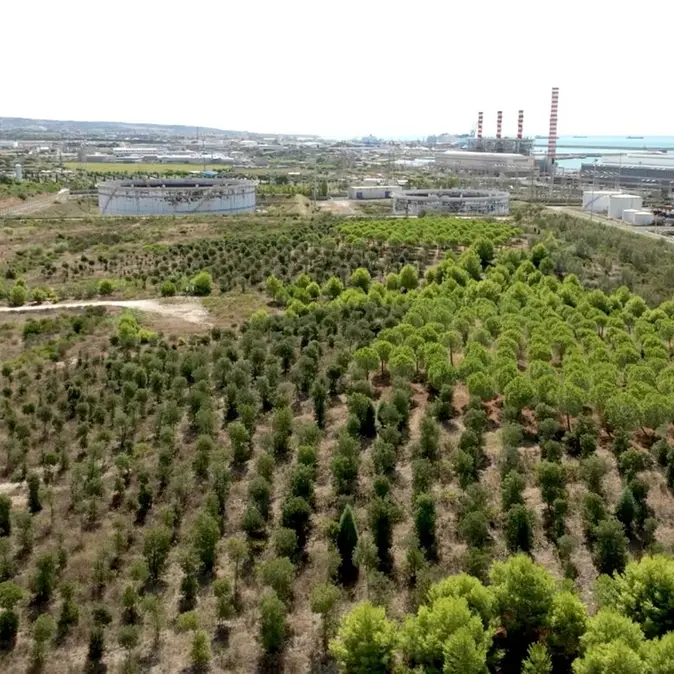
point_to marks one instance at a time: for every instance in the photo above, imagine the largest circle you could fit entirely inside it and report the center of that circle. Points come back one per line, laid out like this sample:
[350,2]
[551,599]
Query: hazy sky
[342,68]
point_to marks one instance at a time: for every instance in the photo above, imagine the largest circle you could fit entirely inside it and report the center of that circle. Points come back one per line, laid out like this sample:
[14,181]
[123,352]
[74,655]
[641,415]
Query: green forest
[433,445]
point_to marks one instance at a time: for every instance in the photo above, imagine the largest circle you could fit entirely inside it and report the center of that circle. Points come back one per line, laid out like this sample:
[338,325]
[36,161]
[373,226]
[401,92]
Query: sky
[342,69]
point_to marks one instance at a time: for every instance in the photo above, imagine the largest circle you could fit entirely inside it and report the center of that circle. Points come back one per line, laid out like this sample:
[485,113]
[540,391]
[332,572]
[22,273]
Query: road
[190,311]
[643,231]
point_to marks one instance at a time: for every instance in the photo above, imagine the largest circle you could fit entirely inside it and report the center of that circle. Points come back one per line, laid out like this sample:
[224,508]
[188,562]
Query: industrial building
[635,169]
[487,162]
[176,197]
[372,191]
[456,201]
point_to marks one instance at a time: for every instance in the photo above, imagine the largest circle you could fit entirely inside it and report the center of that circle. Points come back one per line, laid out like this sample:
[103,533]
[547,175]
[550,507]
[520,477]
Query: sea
[601,145]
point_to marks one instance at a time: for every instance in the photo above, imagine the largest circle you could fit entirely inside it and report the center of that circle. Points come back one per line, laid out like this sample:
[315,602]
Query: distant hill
[20,127]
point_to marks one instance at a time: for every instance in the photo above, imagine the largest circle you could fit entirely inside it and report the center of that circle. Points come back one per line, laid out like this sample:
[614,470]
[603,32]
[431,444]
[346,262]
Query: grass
[230,309]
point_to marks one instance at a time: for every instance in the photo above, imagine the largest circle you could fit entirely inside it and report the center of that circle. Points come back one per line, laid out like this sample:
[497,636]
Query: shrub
[168,289]
[202,284]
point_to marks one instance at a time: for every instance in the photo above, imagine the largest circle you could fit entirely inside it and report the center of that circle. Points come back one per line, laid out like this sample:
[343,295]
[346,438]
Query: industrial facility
[456,201]
[617,205]
[176,197]
[487,162]
[372,191]
[632,169]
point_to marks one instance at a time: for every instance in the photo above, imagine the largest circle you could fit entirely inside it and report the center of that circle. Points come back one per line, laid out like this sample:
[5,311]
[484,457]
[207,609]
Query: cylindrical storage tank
[628,215]
[617,203]
[176,197]
[642,218]
[597,200]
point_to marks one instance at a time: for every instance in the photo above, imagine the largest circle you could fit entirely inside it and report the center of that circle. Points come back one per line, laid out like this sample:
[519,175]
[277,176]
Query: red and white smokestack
[480,119]
[499,123]
[520,124]
[552,134]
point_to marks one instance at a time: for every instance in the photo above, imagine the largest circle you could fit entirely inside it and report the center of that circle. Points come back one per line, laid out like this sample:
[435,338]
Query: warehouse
[372,191]
[456,201]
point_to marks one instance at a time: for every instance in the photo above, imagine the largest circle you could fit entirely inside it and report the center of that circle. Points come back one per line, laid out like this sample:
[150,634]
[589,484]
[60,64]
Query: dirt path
[190,311]
[29,205]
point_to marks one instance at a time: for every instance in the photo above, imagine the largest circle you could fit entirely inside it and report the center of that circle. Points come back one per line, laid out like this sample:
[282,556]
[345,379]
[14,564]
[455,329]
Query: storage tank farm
[176,196]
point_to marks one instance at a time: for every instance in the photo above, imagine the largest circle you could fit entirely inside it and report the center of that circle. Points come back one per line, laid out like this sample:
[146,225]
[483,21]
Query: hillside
[367,410]
[20,127]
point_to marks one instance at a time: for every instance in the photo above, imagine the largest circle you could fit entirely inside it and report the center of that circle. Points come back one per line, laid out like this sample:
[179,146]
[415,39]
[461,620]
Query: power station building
[485,162]
[176,197]
[455,201]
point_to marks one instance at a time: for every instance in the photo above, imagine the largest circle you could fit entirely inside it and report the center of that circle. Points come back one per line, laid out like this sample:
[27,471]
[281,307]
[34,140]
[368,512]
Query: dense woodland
[446,452]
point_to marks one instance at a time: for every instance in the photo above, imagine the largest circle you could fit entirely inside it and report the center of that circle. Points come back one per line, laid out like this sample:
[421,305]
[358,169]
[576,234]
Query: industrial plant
[455,201]
[176,197]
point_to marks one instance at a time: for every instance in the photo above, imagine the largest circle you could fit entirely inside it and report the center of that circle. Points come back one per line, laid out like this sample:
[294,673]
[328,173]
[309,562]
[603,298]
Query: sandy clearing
[189,311]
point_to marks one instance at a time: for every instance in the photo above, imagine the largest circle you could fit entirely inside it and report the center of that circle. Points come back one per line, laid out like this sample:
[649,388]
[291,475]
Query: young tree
[523,593]
[361,278]
[5,515]
[205,540]
[237,551]
[538,660]
[381,523]
[202,284]
[323,599]
[319,395]
[366,359]
[224,607]
[272,621]
[10,595]
[519,528]
[34,504]
[200,651]
[347,540]
[156,547]
[69,615]
[43,581]
[365,641]
[296,515]
[279,574]
[610,550]
[43,631]
[424,524]
[383,350]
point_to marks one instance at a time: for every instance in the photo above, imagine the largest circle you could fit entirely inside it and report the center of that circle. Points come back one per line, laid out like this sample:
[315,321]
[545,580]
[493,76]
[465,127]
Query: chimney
[520,124]
[499,124]
[480,119]
[552,134]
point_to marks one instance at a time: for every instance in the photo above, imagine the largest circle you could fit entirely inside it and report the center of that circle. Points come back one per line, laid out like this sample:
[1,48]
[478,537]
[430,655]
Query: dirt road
[190,311]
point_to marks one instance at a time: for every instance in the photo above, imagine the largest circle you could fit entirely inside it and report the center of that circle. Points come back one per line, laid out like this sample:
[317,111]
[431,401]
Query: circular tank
[176,196]
[467,202]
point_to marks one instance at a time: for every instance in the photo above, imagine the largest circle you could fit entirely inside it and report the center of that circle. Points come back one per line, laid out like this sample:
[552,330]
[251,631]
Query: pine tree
[347,539]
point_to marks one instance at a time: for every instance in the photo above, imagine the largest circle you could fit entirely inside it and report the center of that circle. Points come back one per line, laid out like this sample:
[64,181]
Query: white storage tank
[628,215]
[597,200]
[617,203]
[642,218]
